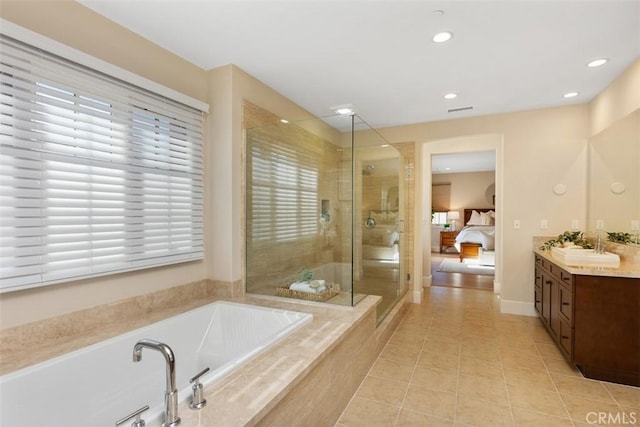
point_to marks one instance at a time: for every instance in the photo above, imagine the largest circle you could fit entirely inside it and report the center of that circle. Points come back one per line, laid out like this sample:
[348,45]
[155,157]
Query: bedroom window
[282,193]
[439,218]
[98,176]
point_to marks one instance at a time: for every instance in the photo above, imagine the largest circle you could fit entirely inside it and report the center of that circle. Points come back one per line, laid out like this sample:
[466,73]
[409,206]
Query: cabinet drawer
[567,279]
[544,263]
[566,304]
[561,275]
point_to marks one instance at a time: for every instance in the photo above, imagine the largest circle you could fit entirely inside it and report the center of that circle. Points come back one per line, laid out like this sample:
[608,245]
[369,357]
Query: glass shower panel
[298,209]
[324,210]
[379,232]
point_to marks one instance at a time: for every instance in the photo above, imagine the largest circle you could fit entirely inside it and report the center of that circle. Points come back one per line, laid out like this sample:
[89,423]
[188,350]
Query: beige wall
[614,154]
[619,99]
[467,189]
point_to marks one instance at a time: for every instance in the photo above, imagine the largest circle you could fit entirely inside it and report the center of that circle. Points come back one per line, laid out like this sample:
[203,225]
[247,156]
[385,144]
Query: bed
[477,237]
[380,244]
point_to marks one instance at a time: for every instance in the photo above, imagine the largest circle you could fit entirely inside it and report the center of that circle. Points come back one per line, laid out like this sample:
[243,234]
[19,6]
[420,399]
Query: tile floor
[454,360]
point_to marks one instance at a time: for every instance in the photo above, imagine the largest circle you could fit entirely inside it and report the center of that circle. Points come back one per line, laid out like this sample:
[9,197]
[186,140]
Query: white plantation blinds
[96,176]
[283,191]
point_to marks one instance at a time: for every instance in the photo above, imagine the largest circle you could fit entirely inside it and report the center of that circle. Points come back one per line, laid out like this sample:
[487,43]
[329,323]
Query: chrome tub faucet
[171,418]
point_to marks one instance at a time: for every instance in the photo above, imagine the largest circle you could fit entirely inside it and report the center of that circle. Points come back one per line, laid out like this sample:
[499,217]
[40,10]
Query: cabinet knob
[566,303]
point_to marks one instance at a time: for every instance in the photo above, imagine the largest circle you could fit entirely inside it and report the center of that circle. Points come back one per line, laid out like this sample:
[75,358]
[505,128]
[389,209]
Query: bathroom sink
[580,257]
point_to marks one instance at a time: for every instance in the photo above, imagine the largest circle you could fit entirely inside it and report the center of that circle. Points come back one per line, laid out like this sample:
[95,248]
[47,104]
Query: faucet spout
[171,417]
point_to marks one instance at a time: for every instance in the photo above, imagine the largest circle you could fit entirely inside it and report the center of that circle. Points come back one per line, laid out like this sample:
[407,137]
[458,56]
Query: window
[282,190]
[439,218]
[97,176]
[440,202]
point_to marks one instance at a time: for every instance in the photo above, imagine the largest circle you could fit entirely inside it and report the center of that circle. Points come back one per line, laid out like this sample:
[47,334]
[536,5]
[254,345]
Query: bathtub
[99,384]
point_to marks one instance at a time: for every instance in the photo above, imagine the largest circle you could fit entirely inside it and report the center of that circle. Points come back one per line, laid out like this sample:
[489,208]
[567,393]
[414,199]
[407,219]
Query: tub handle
[139,422]
[197,397]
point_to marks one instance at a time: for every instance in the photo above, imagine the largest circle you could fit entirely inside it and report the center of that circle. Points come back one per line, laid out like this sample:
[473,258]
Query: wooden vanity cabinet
[594,320]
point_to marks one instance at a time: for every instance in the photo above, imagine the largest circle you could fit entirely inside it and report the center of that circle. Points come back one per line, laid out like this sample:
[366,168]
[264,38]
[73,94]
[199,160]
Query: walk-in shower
[306,210]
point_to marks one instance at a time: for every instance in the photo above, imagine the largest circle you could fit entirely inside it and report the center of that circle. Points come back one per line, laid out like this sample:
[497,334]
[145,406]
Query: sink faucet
[171,418]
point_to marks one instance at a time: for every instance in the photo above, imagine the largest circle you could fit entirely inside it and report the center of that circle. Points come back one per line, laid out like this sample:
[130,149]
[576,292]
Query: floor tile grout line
[413,371]
[555,386]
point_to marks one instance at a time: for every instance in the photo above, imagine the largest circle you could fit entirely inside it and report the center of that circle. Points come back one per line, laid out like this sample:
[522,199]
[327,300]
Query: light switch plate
[575,224]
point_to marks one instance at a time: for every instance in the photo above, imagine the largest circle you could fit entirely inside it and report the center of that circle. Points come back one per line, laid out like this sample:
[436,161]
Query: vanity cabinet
[593,319]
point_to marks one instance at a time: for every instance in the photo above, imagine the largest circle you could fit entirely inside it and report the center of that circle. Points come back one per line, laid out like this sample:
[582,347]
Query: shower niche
[304,207]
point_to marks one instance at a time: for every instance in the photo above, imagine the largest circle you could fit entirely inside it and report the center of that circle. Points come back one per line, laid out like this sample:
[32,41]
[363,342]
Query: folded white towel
[306,287]
[317,283]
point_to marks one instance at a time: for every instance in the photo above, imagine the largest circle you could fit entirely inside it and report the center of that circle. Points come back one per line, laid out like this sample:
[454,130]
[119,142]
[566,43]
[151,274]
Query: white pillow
[475,219]
[486,218]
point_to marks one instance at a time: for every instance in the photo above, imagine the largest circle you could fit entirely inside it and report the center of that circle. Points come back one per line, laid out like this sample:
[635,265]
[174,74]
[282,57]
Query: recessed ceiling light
[597,62]
[384,145]
[343,110]
[442,37]
[570,94]
[285,121]
[450,96]
[438,12]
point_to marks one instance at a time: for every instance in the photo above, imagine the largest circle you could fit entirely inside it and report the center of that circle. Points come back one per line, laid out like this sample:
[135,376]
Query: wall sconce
[559,189]
[617,188]
[453,216]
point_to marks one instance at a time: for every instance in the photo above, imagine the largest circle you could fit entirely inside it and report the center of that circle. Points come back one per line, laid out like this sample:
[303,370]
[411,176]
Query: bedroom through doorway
[462,192]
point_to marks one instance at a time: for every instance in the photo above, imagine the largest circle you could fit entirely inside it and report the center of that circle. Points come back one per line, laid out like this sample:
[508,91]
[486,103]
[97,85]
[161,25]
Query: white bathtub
[99,384]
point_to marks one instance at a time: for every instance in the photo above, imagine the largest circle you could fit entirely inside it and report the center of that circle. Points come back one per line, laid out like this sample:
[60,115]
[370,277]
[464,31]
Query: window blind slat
[282,195]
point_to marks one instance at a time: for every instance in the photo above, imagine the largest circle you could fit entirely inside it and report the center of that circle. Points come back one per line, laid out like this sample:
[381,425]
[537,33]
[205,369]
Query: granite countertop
[627,268]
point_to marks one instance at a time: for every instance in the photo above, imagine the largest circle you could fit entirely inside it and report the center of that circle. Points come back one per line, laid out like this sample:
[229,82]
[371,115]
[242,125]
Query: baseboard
[417,296]
[426,281]
[518,307]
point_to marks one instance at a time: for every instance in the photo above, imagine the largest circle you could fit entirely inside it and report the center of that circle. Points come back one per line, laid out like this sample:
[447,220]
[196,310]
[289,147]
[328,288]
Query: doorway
[491,143]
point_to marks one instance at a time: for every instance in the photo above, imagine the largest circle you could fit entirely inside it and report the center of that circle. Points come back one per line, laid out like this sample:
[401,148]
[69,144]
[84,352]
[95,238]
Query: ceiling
[506,55]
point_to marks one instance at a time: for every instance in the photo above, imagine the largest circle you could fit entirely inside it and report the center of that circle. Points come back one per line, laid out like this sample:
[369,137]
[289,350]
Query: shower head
[368,169]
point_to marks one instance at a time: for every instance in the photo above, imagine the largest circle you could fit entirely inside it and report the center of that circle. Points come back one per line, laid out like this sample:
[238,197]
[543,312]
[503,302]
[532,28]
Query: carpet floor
[452,265]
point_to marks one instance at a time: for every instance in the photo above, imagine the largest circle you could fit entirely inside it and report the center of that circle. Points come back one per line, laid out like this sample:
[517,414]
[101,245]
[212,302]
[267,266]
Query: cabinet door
[537,296]
[554,310]
[537,299]
[566,339]
[546,298]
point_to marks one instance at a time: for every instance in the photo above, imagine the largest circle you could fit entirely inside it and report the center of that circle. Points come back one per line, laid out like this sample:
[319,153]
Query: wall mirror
[614,177]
